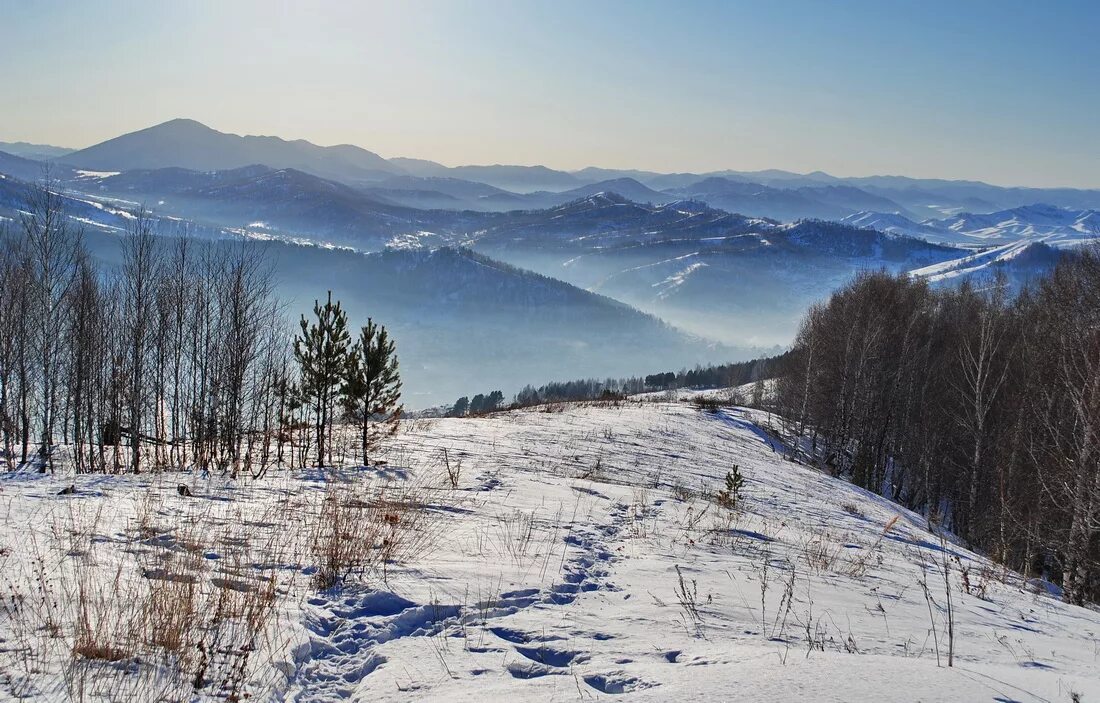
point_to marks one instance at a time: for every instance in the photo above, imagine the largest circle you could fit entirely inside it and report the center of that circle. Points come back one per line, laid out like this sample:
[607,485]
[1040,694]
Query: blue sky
[1007,92]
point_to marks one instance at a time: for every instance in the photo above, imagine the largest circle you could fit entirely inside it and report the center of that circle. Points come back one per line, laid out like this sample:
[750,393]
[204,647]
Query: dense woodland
[179,356]
[979,408]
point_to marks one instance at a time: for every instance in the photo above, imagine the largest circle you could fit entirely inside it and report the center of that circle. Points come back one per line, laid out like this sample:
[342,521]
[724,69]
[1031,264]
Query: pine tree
[373,385]
[477,404]
[461,406]
[322,352]
[729,496]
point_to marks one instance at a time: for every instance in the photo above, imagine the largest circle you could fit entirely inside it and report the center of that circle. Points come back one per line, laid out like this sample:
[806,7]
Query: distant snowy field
[580,556]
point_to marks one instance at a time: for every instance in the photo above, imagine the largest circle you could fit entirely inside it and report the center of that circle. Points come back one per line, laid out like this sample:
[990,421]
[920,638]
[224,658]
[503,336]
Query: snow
[93,223]
[670,284]
[967,265]
[553,572]
[411,241]
[97,175]
[1056,226]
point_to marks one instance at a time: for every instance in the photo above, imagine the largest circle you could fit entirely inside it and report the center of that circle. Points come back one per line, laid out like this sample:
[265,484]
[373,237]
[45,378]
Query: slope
[578,554]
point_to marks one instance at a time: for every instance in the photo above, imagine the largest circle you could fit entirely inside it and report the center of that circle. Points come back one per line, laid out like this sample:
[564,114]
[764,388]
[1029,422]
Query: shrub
[707,404]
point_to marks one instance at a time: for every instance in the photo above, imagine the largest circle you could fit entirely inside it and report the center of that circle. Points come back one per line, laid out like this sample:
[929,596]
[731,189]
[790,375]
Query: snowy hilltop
[646,547]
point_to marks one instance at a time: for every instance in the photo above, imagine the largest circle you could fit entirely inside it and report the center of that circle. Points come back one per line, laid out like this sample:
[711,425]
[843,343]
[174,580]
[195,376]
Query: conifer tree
[373,385]
[461,406]
[322,351]
[477,404]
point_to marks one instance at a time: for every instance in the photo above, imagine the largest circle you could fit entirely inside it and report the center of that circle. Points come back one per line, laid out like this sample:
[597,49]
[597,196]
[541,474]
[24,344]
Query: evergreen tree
[322,351]
[373,386]
[461,407]
[477,404]
[493,401]
[729,496]
[527,396]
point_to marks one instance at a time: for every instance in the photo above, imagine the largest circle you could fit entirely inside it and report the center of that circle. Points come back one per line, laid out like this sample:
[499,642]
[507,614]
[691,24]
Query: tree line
[479,404]
[177,357]
[976,407]
[700,377]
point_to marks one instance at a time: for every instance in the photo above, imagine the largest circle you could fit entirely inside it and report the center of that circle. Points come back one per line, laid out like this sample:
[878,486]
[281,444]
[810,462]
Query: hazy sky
[1007,92]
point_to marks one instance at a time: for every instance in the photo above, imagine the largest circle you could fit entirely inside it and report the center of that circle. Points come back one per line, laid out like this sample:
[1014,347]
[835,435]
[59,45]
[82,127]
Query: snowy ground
[581,556]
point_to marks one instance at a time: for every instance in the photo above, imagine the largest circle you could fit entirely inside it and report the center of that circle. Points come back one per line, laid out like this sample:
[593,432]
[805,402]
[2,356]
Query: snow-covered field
[580,555]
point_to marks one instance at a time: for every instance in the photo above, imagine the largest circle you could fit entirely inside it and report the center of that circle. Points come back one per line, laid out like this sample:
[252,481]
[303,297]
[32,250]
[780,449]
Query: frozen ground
[581,556]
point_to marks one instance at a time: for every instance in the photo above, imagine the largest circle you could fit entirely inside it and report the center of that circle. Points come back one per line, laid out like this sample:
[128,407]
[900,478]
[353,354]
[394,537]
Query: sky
[1005,92]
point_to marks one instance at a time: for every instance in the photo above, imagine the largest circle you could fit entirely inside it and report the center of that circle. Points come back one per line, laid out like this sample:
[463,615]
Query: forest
[978,408]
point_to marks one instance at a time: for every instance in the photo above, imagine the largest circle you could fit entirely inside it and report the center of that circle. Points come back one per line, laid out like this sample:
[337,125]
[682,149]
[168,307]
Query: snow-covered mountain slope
[578,553]
[293,203]
[730,277]
[1019,261]
[1053,225]
[896,223]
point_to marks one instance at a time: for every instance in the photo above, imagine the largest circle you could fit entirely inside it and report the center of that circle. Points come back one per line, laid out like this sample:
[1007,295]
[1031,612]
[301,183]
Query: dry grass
[820,552]
[140,593]
[361,529]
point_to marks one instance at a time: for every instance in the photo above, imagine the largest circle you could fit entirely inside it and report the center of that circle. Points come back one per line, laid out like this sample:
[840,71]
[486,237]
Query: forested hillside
[979,408]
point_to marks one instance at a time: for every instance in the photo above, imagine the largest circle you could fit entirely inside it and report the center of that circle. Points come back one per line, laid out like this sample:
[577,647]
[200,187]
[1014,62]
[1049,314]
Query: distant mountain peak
[188,143]
[182,122]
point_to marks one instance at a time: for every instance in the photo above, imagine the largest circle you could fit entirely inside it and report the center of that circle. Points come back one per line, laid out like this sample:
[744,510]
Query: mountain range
[1056,226]
[771,193]
[610,271]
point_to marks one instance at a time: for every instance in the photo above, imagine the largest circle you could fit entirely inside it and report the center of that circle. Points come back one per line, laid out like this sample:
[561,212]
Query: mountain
[283,202]
[192,145]
[736,279]
[918,198]
[896,223]
[422,168]
[20,167]
[788,204]
[519,179]
[733,278]
[849,198]
[463,321]
[438,192]
[92,214]
[628,188]
[770,193]
[593,174]
[34,152]
[1056,226]
[1038,221]
[755,199]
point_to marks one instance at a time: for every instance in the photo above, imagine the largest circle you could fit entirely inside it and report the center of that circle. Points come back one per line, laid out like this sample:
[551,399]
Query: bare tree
[139,272]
